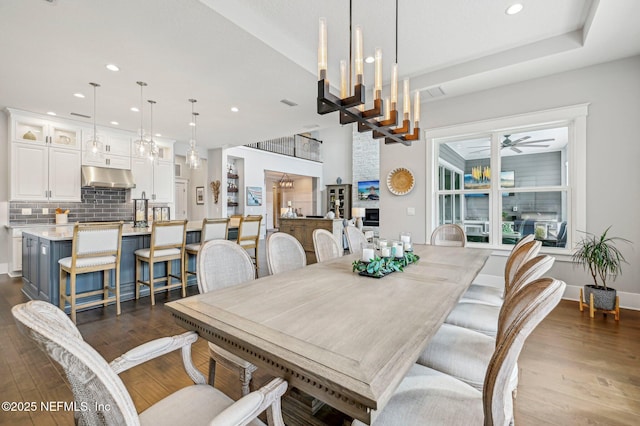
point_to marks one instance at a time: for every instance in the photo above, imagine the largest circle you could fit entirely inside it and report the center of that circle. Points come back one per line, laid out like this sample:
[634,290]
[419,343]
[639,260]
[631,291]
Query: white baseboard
[627,300]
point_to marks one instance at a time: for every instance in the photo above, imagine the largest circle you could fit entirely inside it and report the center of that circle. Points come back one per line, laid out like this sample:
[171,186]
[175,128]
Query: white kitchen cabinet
[155,178]
[33,130]
[43,173]
[113,151]
[163,185]
[45,158]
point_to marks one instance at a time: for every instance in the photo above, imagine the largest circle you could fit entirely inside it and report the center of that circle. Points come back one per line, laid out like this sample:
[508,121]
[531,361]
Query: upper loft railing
[298,146]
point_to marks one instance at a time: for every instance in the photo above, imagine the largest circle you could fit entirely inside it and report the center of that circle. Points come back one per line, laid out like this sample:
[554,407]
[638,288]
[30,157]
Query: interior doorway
[182,204]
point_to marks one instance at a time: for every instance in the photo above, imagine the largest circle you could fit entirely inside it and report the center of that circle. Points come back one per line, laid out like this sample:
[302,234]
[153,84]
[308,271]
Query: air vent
[80,115]
[435,92]
[288,102]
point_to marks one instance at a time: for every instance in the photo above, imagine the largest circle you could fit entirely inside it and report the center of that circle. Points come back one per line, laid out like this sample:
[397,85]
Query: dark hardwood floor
[573,370]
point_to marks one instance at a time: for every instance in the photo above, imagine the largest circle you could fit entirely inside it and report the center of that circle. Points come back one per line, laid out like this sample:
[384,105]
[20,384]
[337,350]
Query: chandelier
[351,106]
[94,145]
[141,143]
[285,182]
[193,156]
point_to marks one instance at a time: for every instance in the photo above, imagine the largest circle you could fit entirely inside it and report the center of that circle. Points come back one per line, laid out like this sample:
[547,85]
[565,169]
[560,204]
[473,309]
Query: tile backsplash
[98,204]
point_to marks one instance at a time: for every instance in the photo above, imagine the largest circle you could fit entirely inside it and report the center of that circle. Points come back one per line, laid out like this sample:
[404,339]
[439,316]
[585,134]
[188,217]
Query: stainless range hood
[102,177]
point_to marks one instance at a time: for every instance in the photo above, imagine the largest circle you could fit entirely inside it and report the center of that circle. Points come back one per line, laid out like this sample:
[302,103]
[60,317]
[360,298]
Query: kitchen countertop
[65,232]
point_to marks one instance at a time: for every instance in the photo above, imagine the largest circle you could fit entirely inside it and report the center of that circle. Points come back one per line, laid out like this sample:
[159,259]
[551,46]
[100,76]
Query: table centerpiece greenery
[380,266]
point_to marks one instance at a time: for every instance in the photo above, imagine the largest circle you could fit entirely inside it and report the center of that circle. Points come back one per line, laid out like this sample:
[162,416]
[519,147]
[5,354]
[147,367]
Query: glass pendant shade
[141,144]
[152,148]
[193,156]
[94,145]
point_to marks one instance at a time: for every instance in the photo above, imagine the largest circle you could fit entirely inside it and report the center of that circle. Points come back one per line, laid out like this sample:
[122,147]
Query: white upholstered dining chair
[212,229]
[355,239]
[104,399]
[485,318]
[465,354]
[284,253]
[429,397]
[449,234]
[491,295]
[325,245]
[221,264]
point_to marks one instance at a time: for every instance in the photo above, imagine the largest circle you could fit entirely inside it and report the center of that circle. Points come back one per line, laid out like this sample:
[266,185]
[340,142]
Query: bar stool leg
[183,277]
[138,266]
[117,273]
[73,297]
[63,288]
[169,264]
[151,282]
[106,277]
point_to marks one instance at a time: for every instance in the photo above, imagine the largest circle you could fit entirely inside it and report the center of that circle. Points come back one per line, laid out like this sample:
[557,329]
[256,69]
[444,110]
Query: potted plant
[603,260]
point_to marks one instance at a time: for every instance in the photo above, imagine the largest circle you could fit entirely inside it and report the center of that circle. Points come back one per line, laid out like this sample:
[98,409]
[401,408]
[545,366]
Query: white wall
[4,194]
[255,162]
[336,155]
[613,154]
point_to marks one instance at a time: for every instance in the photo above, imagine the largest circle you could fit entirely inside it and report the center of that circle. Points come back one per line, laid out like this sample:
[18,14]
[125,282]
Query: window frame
[574,117]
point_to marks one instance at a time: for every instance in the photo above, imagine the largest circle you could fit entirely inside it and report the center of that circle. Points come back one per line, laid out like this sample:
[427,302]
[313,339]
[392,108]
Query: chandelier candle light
[352,107]
[193,156]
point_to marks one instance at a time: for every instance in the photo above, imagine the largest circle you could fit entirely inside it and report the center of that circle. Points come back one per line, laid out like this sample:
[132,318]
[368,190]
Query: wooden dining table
[345,339]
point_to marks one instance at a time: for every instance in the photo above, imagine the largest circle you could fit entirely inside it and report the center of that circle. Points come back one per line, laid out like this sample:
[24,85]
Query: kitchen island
[42,247]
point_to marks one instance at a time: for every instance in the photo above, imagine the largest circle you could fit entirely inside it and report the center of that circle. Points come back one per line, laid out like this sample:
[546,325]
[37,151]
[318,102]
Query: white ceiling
[251,54]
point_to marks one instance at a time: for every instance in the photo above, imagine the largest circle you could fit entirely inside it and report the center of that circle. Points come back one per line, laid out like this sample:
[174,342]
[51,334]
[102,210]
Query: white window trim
[574,115]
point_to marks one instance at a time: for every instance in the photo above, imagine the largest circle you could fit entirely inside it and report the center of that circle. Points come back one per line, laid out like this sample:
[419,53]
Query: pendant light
[152,148]
[94,145]
[193,156]
[141,143]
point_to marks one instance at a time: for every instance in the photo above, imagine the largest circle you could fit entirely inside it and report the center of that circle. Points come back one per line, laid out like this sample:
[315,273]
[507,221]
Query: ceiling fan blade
[517,141]
[513,148]
[536,141]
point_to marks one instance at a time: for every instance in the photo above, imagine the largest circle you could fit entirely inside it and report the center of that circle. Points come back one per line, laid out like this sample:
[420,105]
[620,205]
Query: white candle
[416,111]
[382,243]
[367,254]
[406,100]
[385,251]
[407,245]
[394,86]
[399,252]
[405,238]
[359,48]
[377,90]
[344,91]
[322,50]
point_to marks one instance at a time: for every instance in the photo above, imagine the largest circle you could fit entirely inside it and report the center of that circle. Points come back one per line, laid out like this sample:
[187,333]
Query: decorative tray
[400,181]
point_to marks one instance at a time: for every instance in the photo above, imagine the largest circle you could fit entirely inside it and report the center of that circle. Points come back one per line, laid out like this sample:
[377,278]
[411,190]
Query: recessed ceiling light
[51,113]
[158,135]
[369,59]
[112,67]
[514,8]
[135,109]
[115,123]
[78,95]
[234,109]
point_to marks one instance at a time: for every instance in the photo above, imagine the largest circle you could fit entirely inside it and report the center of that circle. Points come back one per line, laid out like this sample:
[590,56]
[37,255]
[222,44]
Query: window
[500,185]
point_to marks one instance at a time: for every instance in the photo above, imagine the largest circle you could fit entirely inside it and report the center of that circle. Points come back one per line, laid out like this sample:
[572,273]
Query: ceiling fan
[515,146]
